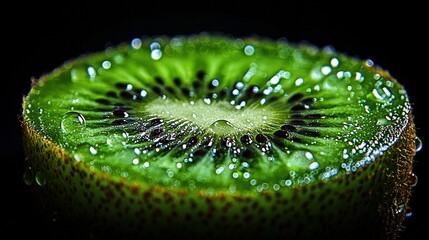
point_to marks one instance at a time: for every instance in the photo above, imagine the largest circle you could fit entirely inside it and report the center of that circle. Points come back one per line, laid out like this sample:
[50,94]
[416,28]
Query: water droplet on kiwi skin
[40,178]
[419,144]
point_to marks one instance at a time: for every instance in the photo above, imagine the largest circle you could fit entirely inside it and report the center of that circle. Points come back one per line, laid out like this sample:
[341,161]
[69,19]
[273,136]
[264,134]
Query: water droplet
[136,43]
[71,122]
[326,70]
[117,139]
[207,101]
[314,165]
[299,82]
[335,62]
[28,175]
[369,63]
[221,127]
[156,54]
[40,179]
[91,72]
[143,93]
[154,46]
[309,155]
[408,213]
[136,161]
[419,144]
[92,150]
[249,50]
[106,64]
[215,83]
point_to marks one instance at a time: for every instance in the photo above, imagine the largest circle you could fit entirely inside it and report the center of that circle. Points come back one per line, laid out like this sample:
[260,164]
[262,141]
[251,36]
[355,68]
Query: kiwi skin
[370,203]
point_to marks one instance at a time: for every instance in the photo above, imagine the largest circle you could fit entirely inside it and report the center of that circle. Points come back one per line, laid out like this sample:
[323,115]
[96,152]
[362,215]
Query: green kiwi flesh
[215,136]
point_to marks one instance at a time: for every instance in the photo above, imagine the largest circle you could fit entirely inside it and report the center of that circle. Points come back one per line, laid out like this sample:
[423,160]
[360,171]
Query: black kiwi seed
[157,90]
[103,101]
[120,113]
[126,95]
[281,134]
[261,138]
[121,86]
[288,128]
[177,81]
[200,152]
[300,107]
[201,74]
[248,153]
[185,91]
[307,101]
[159,80]
[155,122]
[295,98]
[156,132]
[246,139]
[192,140]
[170,90]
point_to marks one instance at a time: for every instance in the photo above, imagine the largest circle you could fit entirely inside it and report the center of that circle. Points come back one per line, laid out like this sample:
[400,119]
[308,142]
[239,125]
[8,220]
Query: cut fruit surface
[220,113]
[219,116]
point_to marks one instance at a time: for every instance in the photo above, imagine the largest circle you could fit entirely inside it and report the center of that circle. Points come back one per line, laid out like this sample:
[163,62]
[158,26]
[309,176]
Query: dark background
[37,38]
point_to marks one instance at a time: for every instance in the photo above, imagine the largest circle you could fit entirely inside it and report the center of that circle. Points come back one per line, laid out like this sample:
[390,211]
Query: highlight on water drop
[40,179]
[419,144]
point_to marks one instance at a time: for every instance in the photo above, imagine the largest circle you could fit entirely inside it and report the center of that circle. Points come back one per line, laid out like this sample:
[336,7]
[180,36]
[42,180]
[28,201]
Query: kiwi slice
[213,136]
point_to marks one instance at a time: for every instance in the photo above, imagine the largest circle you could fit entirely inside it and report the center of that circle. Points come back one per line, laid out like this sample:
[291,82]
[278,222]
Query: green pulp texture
[205,112]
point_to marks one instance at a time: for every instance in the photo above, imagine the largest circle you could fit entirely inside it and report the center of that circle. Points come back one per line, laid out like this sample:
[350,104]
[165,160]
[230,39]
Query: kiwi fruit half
[211,136]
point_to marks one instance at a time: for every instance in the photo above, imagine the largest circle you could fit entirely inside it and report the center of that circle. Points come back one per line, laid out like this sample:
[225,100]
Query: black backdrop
[37,38]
